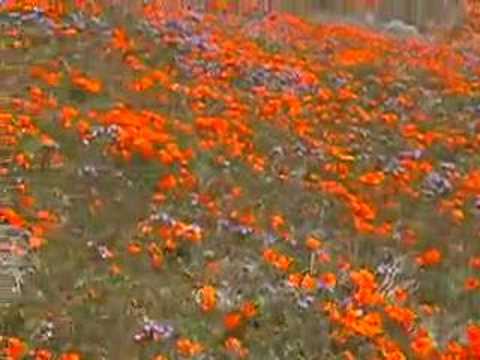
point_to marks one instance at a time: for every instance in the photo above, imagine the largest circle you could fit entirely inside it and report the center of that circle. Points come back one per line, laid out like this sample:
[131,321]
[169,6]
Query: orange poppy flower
[348,355]
[156,259]
[50,77]
[15,349]
[134,248]
[373,178]
[475,262]
[23,160]
[87,84]
[277,221]
[134,62]
[232,320]
[27,201]
[308,283]
[295,280]
[120,40]
[36,242]
[70,356]
[43,354]
[235,346]
[143,84]
[115,270]
[328,280]
[423,345]
[208,298]
[473,336]
[401,295]
[458,215]
[312,243]
[188,348]
[249,309]
[429,258]
[403,316]
[283,262]
[168,182]
[471,283]
[159,357]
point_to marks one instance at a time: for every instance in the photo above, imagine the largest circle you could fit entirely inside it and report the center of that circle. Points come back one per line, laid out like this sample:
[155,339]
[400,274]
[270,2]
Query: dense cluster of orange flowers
[365,153]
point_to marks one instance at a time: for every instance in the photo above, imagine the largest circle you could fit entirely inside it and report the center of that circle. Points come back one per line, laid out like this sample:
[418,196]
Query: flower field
[198,186]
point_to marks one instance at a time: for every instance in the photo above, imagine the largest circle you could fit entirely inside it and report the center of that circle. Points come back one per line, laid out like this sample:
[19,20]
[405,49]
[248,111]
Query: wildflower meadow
[203,185]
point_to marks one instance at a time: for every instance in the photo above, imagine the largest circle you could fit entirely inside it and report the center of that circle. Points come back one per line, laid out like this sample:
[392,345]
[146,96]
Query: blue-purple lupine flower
[415,154]
[305,302]
[153,331]
[437,184]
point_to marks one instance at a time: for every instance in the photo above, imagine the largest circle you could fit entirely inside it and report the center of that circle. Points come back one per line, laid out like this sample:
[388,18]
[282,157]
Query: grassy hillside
[191,187]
